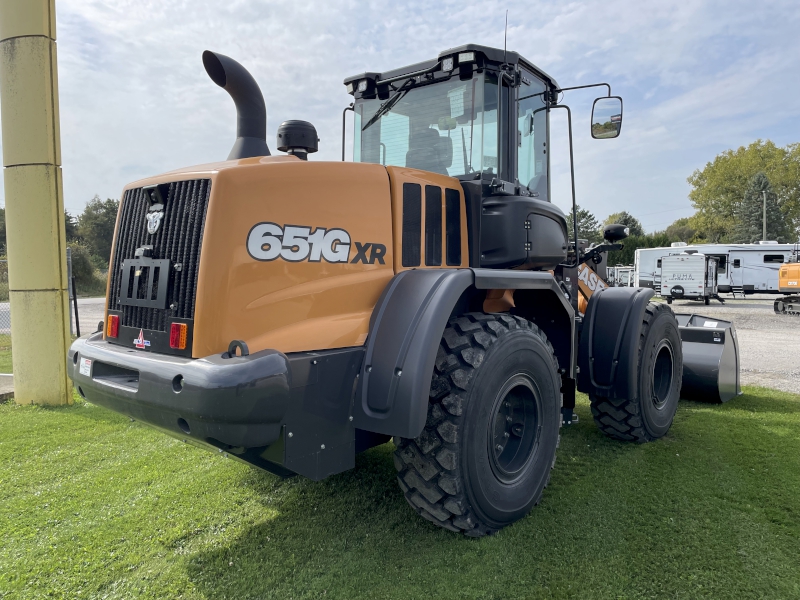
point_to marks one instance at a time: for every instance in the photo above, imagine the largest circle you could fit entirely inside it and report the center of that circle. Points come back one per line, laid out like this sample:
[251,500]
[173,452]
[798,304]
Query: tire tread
[618,417]
[427,466]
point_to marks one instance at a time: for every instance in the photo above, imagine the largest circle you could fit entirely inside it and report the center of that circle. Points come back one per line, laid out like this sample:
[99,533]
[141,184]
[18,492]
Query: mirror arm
[344,125]
[598,250]
[582,87]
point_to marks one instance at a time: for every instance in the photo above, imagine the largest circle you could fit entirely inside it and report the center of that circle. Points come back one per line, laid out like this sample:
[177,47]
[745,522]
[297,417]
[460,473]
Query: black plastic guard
[404,335]
[608,351]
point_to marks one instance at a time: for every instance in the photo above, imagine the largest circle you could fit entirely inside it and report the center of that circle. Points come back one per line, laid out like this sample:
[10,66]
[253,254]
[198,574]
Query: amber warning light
[177,336]
[112,329]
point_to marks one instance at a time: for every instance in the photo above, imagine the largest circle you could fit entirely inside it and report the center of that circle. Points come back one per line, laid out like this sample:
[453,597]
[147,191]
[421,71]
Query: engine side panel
[295,255]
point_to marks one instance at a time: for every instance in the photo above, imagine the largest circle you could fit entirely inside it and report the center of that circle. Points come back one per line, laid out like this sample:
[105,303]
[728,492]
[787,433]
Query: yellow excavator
[789,283]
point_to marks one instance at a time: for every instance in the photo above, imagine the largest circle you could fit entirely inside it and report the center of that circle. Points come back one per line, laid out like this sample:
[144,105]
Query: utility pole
[764,222]
[37,270]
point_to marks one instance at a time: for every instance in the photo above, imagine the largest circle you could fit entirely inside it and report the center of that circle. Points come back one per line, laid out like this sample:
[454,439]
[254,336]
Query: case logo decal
[589,278]
[154,221]
[140,342]
[294,243]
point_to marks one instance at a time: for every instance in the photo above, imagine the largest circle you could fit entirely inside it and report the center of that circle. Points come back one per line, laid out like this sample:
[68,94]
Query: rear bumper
[235,402]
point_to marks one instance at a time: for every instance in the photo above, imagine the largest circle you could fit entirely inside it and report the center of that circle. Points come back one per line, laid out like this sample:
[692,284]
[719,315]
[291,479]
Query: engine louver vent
[453,226]
[179,239]
[412,224]
[433,225]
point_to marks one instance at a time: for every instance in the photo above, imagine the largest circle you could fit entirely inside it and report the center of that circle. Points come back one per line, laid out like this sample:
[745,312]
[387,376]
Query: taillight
[112,328]
[177,336]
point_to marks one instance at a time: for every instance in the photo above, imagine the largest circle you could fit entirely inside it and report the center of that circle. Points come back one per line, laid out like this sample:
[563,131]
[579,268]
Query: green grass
[5,353]
[93,505]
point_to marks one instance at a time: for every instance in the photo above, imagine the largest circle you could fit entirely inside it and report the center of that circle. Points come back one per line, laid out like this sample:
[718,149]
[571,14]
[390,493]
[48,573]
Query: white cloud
[697,77]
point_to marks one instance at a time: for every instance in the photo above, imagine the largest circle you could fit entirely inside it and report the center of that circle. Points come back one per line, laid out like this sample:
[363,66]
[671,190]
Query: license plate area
[115,376]
[145,282]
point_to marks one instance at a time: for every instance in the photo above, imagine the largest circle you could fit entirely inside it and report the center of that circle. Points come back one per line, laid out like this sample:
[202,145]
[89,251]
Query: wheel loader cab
[480,116]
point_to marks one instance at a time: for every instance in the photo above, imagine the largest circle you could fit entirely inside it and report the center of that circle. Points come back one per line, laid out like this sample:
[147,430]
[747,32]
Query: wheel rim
[662,374]
[515,428]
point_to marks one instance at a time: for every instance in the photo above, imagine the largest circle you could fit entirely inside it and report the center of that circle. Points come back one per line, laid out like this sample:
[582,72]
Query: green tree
[631,243]
[750,216]
[680,230]
[96,226]
[71,227]
[588,226]
[719,188]
[87,281]
[627,219]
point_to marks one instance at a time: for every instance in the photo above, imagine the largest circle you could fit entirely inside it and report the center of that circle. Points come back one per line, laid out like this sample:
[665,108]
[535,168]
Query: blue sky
[697,77]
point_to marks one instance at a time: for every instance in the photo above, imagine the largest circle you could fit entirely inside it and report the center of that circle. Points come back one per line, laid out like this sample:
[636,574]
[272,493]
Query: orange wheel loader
[293,313]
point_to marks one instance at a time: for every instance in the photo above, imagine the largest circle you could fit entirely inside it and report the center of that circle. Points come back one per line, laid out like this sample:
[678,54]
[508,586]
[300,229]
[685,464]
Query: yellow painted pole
[37,270]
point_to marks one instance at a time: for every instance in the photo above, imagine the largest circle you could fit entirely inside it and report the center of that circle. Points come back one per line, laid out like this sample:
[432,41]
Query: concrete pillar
[37,270]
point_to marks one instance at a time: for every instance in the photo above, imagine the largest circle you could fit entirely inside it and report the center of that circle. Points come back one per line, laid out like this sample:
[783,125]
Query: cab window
[532,135]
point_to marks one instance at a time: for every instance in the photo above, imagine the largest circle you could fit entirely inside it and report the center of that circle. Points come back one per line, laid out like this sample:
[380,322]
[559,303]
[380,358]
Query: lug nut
[291,434]
[499,448]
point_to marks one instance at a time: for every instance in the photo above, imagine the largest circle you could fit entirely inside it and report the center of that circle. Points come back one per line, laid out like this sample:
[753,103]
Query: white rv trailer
[690,276]
[620,276]
[741,268]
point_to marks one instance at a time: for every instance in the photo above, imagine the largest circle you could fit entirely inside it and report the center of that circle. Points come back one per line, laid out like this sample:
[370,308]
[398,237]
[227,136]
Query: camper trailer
[689,276]
[620,276]
[741,268]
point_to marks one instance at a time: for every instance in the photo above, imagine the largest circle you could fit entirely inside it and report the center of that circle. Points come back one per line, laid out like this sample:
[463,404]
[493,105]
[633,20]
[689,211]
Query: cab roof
[488,57]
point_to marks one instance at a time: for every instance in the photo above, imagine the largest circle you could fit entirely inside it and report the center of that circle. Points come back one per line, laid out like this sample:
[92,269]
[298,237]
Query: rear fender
[404,334]
[608,351]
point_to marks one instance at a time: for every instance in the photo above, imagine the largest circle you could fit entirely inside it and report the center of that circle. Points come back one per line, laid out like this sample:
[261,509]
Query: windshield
[448,127]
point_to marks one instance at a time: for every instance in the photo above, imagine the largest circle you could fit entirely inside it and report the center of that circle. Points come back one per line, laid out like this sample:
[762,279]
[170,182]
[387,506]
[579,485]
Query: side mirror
[527,125]
[615,232]
[606,117]
[447,123]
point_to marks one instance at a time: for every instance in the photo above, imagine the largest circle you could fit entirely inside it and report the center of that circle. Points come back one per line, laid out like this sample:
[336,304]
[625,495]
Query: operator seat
[429,151]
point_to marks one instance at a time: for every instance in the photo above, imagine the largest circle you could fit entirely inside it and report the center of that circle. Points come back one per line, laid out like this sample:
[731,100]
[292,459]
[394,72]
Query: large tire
[495,379]
[660,370]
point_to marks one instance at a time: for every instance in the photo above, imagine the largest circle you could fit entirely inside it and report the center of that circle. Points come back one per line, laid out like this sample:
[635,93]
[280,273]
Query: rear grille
[178,239]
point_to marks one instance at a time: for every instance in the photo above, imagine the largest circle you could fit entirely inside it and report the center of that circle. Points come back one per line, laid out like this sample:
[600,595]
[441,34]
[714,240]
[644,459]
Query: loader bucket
[710,359]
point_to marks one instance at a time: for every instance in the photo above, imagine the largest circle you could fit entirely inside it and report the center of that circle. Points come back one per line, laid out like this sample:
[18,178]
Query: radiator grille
[178,239]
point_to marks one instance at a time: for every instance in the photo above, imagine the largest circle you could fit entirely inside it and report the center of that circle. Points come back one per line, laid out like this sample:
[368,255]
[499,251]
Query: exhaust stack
[251,112]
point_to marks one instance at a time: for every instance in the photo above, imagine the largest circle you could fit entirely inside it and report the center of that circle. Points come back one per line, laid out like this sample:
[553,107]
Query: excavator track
[790,305]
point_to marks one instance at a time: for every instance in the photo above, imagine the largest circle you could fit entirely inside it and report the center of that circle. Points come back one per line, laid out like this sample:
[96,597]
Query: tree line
[89,235]
[729,196]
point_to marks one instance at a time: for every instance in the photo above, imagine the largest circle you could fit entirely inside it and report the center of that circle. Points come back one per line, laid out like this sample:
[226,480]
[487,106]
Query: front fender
[608,351]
